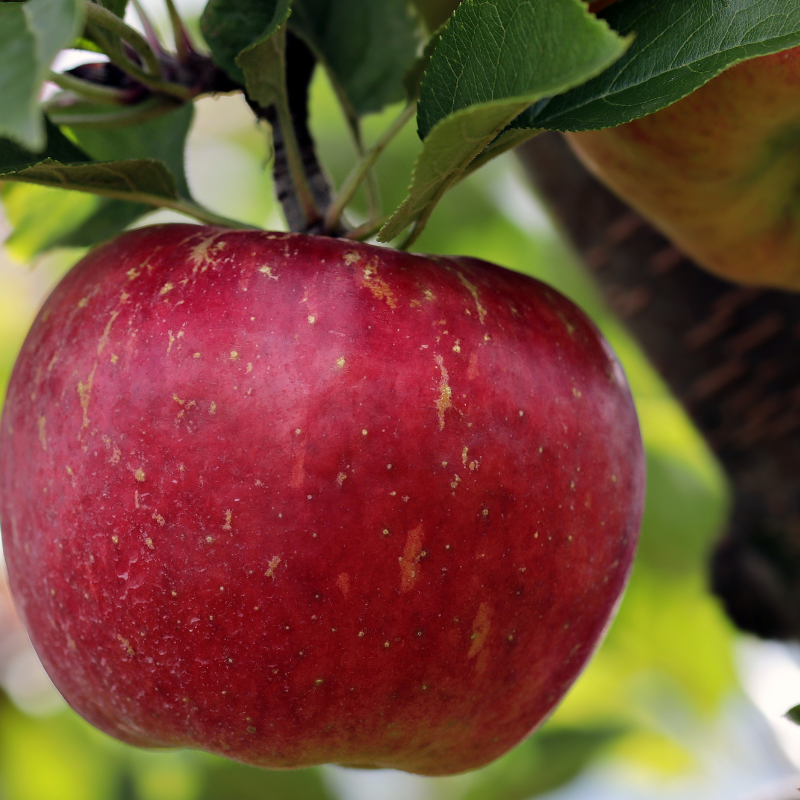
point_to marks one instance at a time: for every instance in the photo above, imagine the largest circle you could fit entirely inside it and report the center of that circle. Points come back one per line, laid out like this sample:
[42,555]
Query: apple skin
[717,172]
[295,500]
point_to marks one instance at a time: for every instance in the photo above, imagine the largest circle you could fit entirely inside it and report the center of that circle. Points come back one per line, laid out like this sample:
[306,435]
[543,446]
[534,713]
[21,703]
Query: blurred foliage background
[674,704]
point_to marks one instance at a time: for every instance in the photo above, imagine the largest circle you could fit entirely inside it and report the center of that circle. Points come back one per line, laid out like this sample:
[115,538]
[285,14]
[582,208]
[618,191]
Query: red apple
[295,500]
[717,172]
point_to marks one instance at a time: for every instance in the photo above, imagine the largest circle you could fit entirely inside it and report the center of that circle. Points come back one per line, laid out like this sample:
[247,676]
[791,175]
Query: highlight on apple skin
[295,500]
[717,172]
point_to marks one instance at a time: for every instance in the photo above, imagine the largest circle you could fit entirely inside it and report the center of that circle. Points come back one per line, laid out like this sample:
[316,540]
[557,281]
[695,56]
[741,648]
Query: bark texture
[300,64]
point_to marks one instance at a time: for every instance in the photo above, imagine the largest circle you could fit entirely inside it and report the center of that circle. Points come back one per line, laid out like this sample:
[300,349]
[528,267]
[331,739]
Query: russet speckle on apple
[296,500]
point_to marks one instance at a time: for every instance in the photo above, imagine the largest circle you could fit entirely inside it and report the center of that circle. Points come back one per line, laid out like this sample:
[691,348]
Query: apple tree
[91,150]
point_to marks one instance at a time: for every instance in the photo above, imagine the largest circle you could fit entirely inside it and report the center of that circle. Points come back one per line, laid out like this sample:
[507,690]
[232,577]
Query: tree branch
[300,63]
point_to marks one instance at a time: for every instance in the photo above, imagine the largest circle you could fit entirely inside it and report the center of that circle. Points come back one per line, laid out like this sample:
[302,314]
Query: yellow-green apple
[296,500]
[719,171]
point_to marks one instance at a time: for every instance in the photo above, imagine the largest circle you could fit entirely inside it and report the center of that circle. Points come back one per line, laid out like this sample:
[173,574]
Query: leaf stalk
[104,95]
[363,168]
[99,17]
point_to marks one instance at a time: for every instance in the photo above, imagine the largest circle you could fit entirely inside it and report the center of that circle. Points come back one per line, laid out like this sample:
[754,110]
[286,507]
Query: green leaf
[66,109]
[264,68]
[144,180]
[793,715]
[31,35]
[367,47]
[507,140]
[162,138]
[44,217]
[452,145]
[82,43]
[679,46]
[494,58]
[63,165]
[233,26]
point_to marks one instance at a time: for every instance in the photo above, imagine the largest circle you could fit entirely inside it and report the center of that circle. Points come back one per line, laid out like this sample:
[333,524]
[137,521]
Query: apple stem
[362,169]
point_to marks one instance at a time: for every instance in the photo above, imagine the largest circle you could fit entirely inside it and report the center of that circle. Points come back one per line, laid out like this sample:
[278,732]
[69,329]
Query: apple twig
[294,161]
[300,64]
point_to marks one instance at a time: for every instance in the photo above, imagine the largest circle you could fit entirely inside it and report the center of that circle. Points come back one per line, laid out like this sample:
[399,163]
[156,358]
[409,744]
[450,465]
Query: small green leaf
[96,219]
[793,715]
[162,138]
[264,68]
[31,35]
[679,46]
[507,140]
[233,26]
[139,179]
[82,43]
[367,47]
[494,58]
[44,217]
[147,180]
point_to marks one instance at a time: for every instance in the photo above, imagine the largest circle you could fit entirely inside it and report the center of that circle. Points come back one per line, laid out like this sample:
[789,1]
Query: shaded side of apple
[295,500]
[719,171]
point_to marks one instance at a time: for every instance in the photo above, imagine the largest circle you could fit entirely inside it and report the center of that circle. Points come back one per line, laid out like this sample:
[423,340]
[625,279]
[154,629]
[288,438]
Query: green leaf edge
[401,218]
[694,69]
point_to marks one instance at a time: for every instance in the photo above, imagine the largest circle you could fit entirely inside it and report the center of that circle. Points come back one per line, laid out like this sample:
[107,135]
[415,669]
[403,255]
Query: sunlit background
[675,705]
